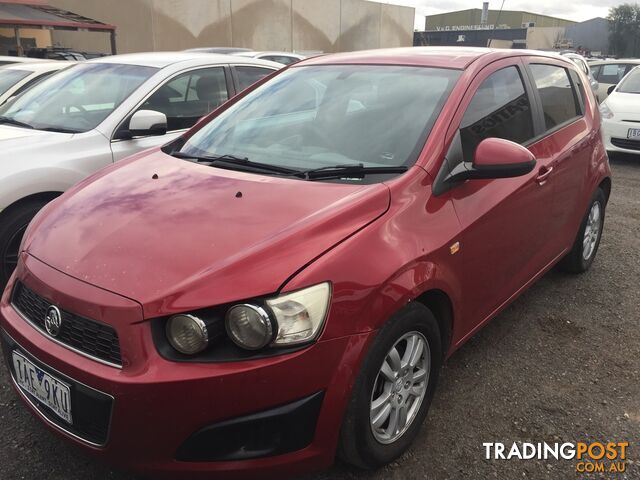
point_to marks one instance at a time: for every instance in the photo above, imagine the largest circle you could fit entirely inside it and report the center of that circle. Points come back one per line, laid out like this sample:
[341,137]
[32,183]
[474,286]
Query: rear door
[566,144]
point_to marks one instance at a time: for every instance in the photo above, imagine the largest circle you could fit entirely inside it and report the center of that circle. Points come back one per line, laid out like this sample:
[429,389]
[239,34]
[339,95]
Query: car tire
[582,254]
[12,226]
[365,444]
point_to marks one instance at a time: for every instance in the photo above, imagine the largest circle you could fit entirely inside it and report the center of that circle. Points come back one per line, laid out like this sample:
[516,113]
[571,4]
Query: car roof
[443,57]
[37,67]
[268,52]
[620,60]
[165,59]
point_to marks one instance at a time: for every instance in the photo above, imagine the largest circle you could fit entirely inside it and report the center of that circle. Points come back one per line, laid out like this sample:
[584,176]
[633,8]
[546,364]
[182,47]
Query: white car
[6,60]
[285,58]
[610,72]
[97,112]
[18,77]
[621,115]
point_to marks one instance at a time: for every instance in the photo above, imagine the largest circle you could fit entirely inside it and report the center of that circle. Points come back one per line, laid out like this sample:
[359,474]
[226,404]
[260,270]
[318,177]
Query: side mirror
[611,89]
[148,122]
[494,158]
[499,158]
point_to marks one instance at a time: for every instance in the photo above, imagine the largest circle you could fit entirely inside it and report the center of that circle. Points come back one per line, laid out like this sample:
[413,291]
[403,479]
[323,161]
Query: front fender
[391,262]
[22,184]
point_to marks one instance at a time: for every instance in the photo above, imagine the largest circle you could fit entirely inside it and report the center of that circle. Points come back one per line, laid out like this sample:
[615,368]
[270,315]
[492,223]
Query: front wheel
[585,246]
[394,389]
[12,227]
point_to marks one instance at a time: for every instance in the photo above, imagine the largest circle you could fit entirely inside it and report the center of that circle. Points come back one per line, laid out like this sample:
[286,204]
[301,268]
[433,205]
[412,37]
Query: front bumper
[615,134]
[159,405]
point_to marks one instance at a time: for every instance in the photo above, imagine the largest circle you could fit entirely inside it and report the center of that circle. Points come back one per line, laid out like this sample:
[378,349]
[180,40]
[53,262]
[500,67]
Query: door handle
[543,174]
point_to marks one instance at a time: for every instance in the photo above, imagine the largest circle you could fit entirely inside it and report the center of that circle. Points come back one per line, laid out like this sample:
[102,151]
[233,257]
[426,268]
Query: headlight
[187,334]
[249,326]
[287,320]
[605,111]
[300,315]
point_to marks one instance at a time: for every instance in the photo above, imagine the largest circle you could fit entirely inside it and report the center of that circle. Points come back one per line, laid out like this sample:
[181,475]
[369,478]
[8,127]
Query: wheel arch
[46,196]
[605,185]
[440,305]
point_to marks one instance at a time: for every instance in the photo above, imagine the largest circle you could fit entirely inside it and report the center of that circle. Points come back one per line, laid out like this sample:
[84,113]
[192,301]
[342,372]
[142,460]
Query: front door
[504,221]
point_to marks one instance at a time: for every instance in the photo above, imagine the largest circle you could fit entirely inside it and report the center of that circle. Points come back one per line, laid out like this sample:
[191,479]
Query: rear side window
[500,108]
[559,100]
[611,72]
[247,76]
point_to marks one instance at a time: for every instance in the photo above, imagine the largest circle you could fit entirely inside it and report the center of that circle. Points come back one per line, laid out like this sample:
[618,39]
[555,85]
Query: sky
[569,9]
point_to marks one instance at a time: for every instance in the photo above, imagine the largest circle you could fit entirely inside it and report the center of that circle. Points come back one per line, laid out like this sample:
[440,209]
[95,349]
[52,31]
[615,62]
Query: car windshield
[9,77]
[77,99]
[332,115]
[631,83]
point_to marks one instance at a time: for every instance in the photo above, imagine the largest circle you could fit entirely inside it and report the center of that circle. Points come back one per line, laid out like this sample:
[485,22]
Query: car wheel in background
[393,391]
[585,247]
[13,224]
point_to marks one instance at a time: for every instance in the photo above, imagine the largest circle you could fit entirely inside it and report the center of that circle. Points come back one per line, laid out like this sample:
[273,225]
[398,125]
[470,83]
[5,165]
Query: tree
[624,30]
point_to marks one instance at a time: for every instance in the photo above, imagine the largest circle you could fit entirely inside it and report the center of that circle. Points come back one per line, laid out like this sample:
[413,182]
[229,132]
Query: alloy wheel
[592,231]
[400,387]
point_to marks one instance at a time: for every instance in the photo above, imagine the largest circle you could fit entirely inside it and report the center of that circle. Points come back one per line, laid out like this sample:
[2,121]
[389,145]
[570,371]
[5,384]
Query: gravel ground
[561,364]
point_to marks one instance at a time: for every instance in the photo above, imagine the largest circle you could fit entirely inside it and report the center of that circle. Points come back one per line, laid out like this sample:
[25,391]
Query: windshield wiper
[342,171]
[60,130]
[17,123]
[233,160]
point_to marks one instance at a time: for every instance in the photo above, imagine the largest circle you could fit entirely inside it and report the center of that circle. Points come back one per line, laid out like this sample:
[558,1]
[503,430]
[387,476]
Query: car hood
[623,102]
[15,137]
[175,236]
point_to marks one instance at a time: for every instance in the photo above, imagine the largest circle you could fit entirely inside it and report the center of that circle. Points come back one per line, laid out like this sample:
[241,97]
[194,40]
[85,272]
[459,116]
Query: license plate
[47,389]
[633,133]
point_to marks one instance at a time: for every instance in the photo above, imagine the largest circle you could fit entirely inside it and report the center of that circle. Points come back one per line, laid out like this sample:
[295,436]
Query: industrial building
[288,25]
[472,19]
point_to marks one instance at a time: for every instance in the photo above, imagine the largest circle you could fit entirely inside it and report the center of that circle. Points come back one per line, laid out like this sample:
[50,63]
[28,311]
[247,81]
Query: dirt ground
[562,364]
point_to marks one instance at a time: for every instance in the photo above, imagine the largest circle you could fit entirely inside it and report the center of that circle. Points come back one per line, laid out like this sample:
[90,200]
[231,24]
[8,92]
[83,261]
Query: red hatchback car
[283,283]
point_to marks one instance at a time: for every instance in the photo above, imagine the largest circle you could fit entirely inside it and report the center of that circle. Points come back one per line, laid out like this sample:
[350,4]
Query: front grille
[626,143]
[91,409]
[86,336]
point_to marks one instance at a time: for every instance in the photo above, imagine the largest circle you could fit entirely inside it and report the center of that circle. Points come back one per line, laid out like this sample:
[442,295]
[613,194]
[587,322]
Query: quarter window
[188,97]
[559,100]
[500,108]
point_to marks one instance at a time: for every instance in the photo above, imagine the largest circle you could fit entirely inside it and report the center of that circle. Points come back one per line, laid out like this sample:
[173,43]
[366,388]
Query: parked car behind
[582,63]
[621,115]
[98,112]
[284,281]
[19,77]
[5,60]
[610,72]
[285,58]
[220,50]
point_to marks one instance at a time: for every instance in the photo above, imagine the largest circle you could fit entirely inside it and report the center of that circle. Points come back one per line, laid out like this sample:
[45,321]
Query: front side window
[77,99]
[559,100]
[8,78]
[247,76]
[500,108]
[189,96]
[631,83]
[322,116]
